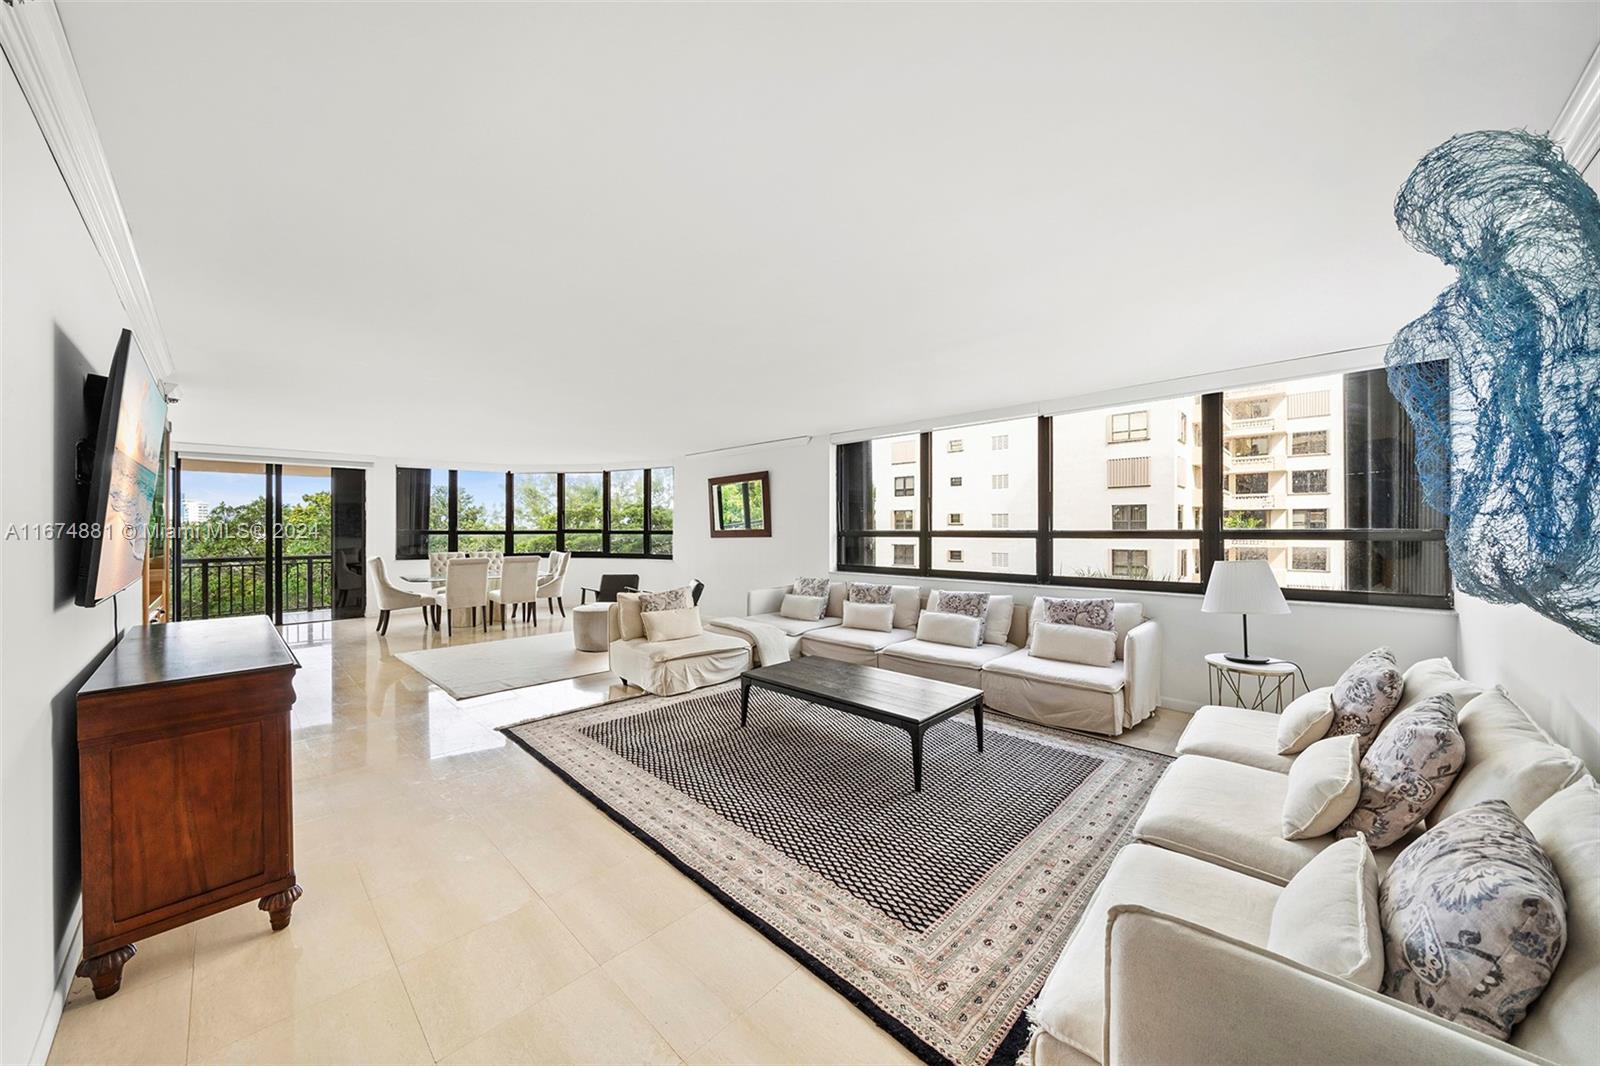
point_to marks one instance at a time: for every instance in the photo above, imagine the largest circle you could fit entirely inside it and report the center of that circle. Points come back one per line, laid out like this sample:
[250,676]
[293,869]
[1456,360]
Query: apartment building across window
[999,442]
[1133,516]
[1256,408]
[1248,554]
[902,520]
[1250,484]
[1308,481]
[904,451]
[1000,520]
[1183,428]
[1180,517]
[905,555]
[1309,518]
[905,486]
[999,560]
[956,445]
[1129,426]
[1130,562]
[1309,442]
[1245,447]
[1000,481]
[1131,473]
[1309,559]
[954,555]
[954,518]
[1313,404]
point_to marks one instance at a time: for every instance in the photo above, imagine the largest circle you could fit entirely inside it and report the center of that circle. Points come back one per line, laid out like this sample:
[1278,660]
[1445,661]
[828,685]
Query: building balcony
[1265,501]
[1248,462]
[1252,427]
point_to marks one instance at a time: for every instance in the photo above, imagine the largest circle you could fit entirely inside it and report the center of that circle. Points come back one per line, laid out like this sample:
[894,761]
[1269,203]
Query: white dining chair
[393,598]
[551,584]
[519,584]
[466,587]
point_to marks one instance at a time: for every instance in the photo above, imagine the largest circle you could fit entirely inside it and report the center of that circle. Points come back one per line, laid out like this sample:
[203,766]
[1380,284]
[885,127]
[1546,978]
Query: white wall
[61,319]
[1548,669]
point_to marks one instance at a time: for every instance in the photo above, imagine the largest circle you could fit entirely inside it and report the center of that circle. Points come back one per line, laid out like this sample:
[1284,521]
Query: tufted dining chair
[466,587]
[394,598]
[519,586]
[551,584]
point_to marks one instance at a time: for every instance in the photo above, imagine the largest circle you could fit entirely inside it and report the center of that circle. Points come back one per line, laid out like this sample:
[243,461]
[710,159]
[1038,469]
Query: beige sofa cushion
[1305,721]
[678,623]
[1564,1023]
[1075,675]
[877,617]
[859,639]
[803,608]
[629,616]
[1323,787]
[1073,644]
[1327,917]
[1427,678]
[1508,758]
[1236,734]
[705,642]
[793,626]
[1071,1005]
[947,654]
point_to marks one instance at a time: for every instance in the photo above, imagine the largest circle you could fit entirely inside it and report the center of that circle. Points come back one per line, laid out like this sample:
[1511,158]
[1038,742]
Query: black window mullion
[1211,540]
[451,537]
[561,512]
[925,537]
[1044,552]
[511,522]
[605,512]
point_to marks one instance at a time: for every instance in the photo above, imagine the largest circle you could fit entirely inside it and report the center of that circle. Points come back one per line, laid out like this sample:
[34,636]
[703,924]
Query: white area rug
[496,665]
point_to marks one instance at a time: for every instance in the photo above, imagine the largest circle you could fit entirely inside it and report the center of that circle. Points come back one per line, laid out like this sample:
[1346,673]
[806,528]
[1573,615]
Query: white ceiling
[515,235]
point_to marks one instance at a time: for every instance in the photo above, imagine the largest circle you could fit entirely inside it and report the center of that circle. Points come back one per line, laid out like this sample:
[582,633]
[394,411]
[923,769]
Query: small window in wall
[905,555]
[999,560]
[1130,473]
[954,518]
[1129,426]
[902,520]
[1311,442]
[956,445]
[903,451]
[1248,554]
[905,486]
[1183,428]
[953,555]
[1310,518]
[1251,447]
[1000,481]
[955,482]
[1180,517]
[1250,484]
[1311,481]
[1130,516]
[1130,562]
[999,442]
[1000,520]
[1309,559]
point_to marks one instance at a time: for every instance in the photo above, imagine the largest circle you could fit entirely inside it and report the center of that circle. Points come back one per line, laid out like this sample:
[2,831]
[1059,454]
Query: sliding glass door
[286,541]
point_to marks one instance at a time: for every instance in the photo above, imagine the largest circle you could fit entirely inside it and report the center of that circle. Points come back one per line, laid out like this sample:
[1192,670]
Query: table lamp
[1244,588]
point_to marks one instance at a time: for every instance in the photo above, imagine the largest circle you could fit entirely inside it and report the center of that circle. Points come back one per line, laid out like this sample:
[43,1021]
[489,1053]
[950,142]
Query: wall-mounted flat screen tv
[128,457]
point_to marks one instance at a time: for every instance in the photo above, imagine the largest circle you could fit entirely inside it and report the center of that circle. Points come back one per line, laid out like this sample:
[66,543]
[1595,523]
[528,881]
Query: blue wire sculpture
[1509,440]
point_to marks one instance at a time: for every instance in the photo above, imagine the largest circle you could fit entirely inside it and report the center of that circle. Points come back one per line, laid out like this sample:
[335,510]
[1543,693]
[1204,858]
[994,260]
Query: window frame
[509,532]
[1207,535]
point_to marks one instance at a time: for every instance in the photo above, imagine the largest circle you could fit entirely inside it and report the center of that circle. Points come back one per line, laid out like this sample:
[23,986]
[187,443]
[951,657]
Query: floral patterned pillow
[863,593]
[1406,771]
[1065,611]
[810,586]
[971,604]
[669,600]
[1366,694]
[1474,920]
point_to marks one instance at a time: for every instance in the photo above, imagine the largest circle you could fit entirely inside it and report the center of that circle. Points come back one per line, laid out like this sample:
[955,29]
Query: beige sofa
[1169,964]
[1066,695]
[668,667]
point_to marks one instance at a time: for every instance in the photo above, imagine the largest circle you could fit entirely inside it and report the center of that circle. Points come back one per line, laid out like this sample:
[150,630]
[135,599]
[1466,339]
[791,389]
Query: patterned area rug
[939,913]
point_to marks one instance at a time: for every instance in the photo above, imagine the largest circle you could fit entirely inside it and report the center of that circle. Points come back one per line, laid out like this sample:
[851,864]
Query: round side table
[1257,686]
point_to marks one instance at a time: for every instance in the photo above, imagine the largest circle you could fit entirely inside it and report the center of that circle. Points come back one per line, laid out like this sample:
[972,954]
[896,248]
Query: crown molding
[1577,128]
[35,44]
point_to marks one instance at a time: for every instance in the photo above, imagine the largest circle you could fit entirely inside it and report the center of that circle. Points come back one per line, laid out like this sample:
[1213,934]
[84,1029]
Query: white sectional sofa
[1169,963]
[1067,695]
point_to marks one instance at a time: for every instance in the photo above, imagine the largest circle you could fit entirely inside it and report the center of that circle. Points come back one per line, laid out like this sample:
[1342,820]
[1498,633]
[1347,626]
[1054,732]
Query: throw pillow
[1429,677]
[1073,644]
[874,616]
[1328,918]
[1305,721]
[860,592]
[1365,694]
[1512,758]
[1406,770]
[629,620]
[997,630]
[1124,618]
[1066,611]
[675,624]
[971,604]
[1474,920]
[943,627]
[811,586]
[668,600]
[803,608]
[1324,784]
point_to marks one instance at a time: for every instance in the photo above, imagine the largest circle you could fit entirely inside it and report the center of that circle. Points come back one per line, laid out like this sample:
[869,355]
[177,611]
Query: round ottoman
[590,627]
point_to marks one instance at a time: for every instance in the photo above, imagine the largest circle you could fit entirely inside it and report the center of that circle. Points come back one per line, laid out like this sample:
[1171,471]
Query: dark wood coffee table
[912,703]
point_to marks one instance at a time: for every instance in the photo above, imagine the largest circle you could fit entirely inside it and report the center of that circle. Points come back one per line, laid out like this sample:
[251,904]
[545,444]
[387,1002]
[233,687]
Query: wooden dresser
[184,784]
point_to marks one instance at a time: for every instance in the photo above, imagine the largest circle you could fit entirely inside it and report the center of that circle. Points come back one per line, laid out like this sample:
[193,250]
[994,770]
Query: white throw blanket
[770,642]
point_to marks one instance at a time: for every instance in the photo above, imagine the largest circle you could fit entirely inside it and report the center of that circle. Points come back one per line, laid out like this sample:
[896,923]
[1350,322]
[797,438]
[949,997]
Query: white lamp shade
[1244,587]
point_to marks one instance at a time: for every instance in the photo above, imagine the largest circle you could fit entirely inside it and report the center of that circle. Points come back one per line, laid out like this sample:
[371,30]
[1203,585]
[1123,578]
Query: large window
[617,512]
[1082,491]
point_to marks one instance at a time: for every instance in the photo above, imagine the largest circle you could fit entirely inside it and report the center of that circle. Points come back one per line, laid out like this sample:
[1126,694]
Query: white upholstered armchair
[392,598]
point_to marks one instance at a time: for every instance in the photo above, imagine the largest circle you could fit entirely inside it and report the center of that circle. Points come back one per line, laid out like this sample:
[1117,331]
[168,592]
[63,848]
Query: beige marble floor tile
[146,1022]
[615,909]
[588,1021]
[157,958]
[388,865]
[803,1020]
[370,1023]
[556,857]
[466,987]
[247,977]
[448,901]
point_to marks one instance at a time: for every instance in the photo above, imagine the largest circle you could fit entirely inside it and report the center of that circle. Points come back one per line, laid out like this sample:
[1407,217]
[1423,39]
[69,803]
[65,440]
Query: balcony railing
[1251,427]
[1249,461]
[229,586]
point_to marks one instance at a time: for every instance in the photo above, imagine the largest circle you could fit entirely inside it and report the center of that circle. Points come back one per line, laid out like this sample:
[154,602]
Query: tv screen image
[129,454]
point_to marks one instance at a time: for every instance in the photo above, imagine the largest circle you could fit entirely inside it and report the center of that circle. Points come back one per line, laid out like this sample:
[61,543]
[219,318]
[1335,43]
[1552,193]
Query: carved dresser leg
[279,904]
[105,971]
